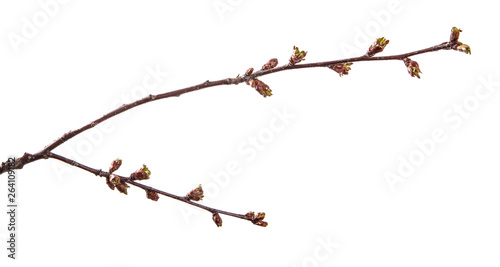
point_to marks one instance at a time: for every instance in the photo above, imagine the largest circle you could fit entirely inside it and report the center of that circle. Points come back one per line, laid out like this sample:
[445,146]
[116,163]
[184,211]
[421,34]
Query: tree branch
[341,66]
[147,189]
[28,158]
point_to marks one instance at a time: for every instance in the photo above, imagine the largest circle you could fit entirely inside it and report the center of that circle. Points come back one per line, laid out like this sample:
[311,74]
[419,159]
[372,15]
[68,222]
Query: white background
[320,177]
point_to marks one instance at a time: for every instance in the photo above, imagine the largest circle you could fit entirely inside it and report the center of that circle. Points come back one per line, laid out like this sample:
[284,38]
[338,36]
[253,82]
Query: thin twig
[145,187]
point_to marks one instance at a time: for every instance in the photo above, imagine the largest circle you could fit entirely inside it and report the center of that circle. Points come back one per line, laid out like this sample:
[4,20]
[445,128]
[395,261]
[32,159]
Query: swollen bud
[342,68]
[115,165]
[297,56]
[118,183]
[110,183]
[272,63]
[152,195]
[377,46]
[141,174]
[261,223]
[455,33]
[260,87]
[122,187]
[195,194]
[249,72]
[217,219]
[257,219]
[412,67]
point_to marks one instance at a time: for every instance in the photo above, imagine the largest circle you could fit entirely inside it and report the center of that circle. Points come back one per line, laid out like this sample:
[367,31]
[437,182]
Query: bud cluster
[141,174]
[195,194]
[377,46]
[117,182]
[115,165]
[412,67]
[260,87]
[341,69]
[458,46]
[257,219]
[152,195]
[297,56]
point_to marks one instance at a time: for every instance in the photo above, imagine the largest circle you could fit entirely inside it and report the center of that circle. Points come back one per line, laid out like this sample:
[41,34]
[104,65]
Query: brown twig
[28,158]
[146,188]
[341,66]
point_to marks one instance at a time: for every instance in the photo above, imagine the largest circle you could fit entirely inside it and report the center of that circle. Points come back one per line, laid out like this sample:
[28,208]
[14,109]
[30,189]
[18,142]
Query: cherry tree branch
[128,180]
[28,158]
[342,67]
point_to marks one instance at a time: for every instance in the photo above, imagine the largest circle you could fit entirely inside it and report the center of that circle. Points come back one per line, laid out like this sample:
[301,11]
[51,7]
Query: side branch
[149,189]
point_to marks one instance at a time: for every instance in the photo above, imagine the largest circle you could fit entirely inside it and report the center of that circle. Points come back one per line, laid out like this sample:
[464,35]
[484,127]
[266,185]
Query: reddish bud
[455,33]
[413,68]
[118,183]
[257,219]
[152,195]
[109,183]
[260,87]
[141,174]
[249,72]
[122,187]
[342,68]
[195,194]
[377,46]
[115,165]
[261,223]
[297,56]
[272,63]
[217,219]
